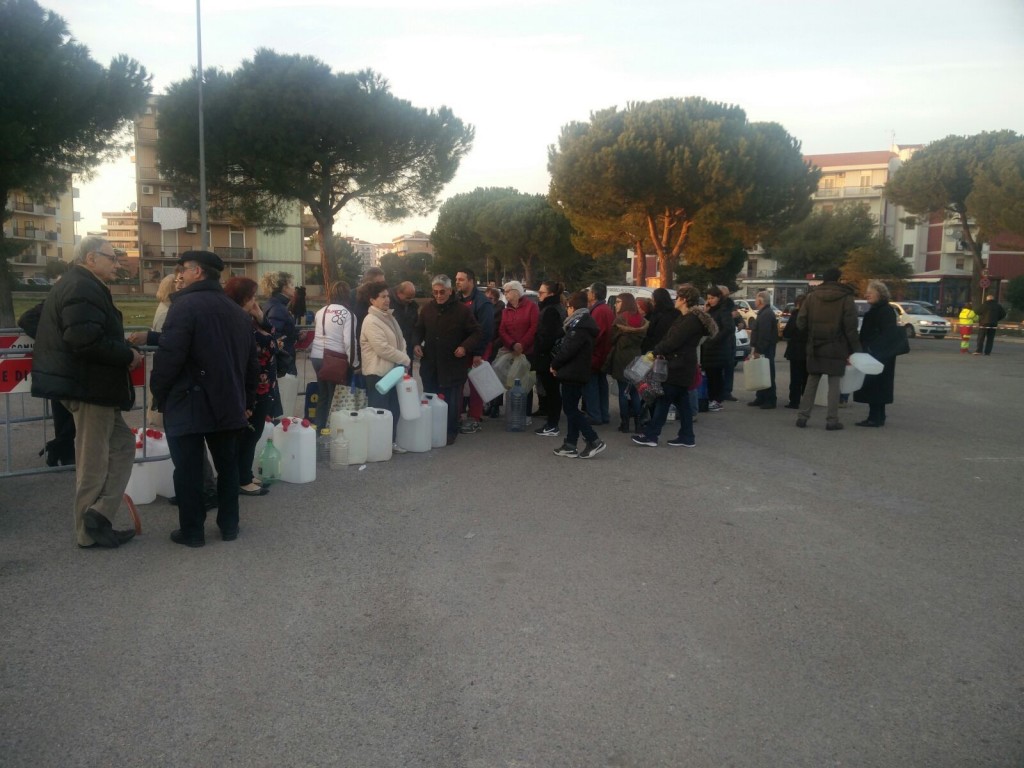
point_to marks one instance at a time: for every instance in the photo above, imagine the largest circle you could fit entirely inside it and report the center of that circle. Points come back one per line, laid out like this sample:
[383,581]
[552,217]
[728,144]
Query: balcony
[150,251]
[21,232]
[148,174]
[147,135]
[234,254]
[831,193]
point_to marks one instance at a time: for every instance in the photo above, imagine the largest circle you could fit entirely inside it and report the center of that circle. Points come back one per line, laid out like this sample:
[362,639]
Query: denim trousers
[576,422]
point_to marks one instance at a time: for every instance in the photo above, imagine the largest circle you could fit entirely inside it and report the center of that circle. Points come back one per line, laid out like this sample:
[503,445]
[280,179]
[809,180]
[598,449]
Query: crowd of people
[220,352]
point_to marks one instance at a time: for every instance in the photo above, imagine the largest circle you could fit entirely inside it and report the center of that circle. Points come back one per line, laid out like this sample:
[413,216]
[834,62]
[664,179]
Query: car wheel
[910,331]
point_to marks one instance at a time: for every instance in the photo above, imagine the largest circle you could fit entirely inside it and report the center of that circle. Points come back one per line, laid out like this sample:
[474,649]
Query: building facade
[46,229]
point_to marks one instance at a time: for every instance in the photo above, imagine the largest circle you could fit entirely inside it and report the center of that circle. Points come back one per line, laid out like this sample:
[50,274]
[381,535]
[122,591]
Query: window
[959,262]
[236,238]
[865,180]
[911,222]
[908,252]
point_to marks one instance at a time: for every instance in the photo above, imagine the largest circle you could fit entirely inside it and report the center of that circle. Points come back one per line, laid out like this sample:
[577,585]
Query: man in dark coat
[796,353]
[204,382]
[483,312]
[446,335]
[763,341]
[81,358]
[405,311]
[572,365]
[829,317]
[988,320]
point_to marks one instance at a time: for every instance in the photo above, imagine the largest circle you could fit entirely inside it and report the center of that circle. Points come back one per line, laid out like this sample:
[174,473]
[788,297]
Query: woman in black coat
[549,331]
[718,351]
[878,337]
[796,353]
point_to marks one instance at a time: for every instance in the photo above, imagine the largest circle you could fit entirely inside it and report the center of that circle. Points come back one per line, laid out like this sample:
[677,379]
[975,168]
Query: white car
[919,321]
[747,310]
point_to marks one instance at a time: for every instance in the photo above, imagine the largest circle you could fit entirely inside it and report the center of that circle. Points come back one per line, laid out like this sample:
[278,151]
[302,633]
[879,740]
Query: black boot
[624,424]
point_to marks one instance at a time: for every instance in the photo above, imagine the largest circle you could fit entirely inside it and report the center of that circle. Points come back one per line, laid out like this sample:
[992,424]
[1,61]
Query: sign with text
[15,374]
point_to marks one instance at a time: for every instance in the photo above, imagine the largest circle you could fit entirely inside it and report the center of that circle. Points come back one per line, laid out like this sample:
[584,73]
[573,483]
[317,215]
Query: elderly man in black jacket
[204,381]
[766,336]
[81,358]
[446,336]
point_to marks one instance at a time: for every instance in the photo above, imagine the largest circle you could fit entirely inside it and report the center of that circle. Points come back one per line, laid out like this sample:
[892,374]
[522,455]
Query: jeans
[629,400]
[389,401]
[187,453]
[576,422]
[452,395]
[552,397]
[325,395]
[680,398]
[595,397]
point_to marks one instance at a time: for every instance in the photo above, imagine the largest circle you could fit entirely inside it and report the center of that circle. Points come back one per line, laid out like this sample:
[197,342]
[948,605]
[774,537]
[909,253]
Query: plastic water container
[409,398]
[634,372]
[380,425]
[353,426]
[387,382]
[515,408]
[161,472]
[268,464]
[439,420]
[851,381]
[486,381]
[339,451]
[323,446]
[140,484]
[268,432]
[296,440]
[415,435]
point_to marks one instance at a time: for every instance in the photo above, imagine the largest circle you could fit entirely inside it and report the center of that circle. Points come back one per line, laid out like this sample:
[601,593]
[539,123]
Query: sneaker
[650,442]
[396,448]
[469,427]
[547,431]
[714,406]
[680,443]
[569,451]
[592,449]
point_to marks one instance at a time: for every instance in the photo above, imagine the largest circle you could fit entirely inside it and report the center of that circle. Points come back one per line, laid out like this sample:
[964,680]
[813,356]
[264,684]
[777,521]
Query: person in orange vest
[968,318]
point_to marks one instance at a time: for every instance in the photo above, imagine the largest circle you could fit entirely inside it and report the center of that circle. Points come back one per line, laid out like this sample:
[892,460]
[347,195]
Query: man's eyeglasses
[441,292]
[112,256]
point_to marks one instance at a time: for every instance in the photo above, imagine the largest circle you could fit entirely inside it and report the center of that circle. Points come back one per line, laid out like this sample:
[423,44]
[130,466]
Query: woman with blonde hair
[281,288]
[167,287]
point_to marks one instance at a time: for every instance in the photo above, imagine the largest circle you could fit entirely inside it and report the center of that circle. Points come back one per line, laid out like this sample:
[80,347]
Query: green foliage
[348,265]
[61,112]
[658,173]
[608,268]
[822,240]
[505,232]
[998,197]
[877,260]
[702,276]
[1015,293]
[314,275]
[413,267]
[285,127]
[945,176]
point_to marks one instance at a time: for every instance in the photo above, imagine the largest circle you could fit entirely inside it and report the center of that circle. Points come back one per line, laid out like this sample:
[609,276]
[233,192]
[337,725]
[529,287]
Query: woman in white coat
[382,347]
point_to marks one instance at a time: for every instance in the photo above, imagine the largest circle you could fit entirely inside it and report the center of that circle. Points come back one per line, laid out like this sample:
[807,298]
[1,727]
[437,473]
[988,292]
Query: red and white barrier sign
[14,374]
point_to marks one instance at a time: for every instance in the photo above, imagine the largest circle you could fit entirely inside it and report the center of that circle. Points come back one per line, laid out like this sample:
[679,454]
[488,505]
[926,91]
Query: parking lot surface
[772,597]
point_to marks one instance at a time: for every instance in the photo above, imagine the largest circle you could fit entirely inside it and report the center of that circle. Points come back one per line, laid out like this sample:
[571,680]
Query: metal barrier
[20,407]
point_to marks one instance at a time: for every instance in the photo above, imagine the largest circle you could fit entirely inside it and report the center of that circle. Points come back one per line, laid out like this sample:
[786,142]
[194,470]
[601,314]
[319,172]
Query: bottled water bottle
[339,451]
[323,446]
[515,408]
[270,463]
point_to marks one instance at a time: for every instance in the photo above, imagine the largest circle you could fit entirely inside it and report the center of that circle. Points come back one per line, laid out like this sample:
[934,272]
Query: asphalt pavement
[772,597]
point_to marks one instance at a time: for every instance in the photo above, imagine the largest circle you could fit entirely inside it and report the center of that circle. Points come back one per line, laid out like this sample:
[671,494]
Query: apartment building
[166,229]
[416,242]
[847,177]
[46,229]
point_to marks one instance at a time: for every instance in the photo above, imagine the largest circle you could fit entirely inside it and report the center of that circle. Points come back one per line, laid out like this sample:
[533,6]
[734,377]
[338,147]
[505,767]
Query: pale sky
[839,76]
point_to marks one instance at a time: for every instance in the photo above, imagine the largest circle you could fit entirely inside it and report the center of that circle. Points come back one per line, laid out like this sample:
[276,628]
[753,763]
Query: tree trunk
[328,266]
[976,260]
[639,263]
[528,273]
